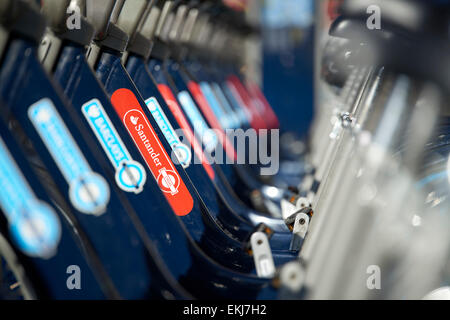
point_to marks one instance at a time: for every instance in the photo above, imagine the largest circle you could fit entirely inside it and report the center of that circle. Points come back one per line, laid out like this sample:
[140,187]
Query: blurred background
[282,62]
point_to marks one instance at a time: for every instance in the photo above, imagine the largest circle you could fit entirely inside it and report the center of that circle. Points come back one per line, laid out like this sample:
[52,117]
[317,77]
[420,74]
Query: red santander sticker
[169,180]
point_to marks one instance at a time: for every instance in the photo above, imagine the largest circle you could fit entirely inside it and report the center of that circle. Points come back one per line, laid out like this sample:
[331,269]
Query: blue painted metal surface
[111,231]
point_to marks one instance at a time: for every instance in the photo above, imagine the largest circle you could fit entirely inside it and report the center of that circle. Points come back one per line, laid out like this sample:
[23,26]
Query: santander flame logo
[134,120]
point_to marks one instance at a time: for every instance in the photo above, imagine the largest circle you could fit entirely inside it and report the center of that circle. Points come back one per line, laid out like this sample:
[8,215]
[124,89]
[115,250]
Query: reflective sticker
[215,104]
[240,111]
[204,106]
[233,119]
[257,120]
[178,114]
[130,174]
[88,191]
[201,128]
[235,93]
[163,170]
[182,152]
[33,224]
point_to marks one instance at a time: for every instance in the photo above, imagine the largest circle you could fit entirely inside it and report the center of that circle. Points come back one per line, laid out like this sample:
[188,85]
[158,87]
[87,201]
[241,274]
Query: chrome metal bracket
[262,255]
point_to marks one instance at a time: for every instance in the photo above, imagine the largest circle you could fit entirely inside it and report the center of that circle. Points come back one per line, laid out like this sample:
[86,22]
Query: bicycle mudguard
[223,188]
[44,241]
[256,120]
[116,80]
[92,104]
[218,76]
[73,161]
[291,168]
[198,174]
[208,83]
[237,175]
[214,200]
[267,111]
[233,97]
[185,202]
[157,71]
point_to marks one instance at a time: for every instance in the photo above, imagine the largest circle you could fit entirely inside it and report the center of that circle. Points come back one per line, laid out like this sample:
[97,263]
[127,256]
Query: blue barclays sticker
[130,175]
[233,118]
[182,152]
[215,105]
[33,224]
[201,128]
[240,112]
[88,191]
